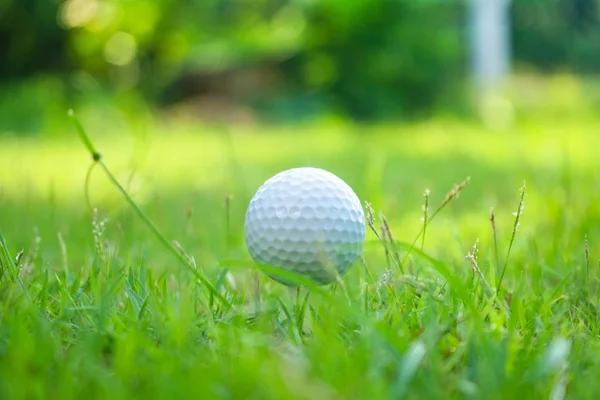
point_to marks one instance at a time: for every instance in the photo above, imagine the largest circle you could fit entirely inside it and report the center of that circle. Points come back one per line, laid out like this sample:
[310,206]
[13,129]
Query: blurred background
[196,103]
[291,61]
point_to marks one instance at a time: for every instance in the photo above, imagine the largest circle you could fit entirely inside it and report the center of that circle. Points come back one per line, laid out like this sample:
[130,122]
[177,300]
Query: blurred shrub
[380,59]
[557,34]
[350,57]
[287,58]
[30,39]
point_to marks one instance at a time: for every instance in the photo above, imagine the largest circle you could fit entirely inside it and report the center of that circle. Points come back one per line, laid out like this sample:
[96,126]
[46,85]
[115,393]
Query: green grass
[96,306]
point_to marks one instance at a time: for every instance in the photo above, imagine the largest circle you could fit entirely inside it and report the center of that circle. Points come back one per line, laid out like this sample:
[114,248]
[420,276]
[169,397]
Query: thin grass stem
[454,193]
[517,215]
[96,156]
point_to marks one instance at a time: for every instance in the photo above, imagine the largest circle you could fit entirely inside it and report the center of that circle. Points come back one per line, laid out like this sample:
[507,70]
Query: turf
[94,305]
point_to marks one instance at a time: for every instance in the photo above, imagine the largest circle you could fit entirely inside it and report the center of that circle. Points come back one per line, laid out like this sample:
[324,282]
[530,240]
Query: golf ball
[308,221]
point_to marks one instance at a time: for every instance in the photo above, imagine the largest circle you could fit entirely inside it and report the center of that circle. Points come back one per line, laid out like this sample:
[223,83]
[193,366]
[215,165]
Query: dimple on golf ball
[308,221]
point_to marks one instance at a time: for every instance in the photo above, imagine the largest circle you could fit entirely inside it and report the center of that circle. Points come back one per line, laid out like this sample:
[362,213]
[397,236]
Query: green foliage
[30,39]
[288,59]
[559,34]
[351,58]
[382,59]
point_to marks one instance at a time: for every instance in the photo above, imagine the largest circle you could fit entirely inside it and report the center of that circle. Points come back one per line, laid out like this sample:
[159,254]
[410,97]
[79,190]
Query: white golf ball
[308,221]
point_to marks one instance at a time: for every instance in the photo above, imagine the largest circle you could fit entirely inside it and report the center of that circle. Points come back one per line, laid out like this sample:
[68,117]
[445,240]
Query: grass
[93,304]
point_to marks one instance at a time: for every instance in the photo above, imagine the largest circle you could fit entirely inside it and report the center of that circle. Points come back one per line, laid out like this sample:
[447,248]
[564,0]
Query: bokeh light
[78,13]
[120,49]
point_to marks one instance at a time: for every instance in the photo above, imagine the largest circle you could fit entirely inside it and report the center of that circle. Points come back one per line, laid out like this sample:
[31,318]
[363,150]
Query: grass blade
[153,228]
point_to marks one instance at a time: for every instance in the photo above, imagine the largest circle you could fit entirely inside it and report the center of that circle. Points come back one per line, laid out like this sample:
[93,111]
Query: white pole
[490,35]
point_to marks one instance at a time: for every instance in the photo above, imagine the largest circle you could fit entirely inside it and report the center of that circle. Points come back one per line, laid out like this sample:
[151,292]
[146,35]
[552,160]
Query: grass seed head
[370,215]
[385,228]
[455,192]
[98,229]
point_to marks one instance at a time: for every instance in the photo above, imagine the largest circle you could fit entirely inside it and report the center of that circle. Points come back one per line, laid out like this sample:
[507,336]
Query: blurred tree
[30,39]
[362,59]
[381,58]
[557,34]
[355,58]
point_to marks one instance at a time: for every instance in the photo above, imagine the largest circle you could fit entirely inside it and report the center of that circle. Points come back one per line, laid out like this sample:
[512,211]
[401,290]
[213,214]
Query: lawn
[96,306]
